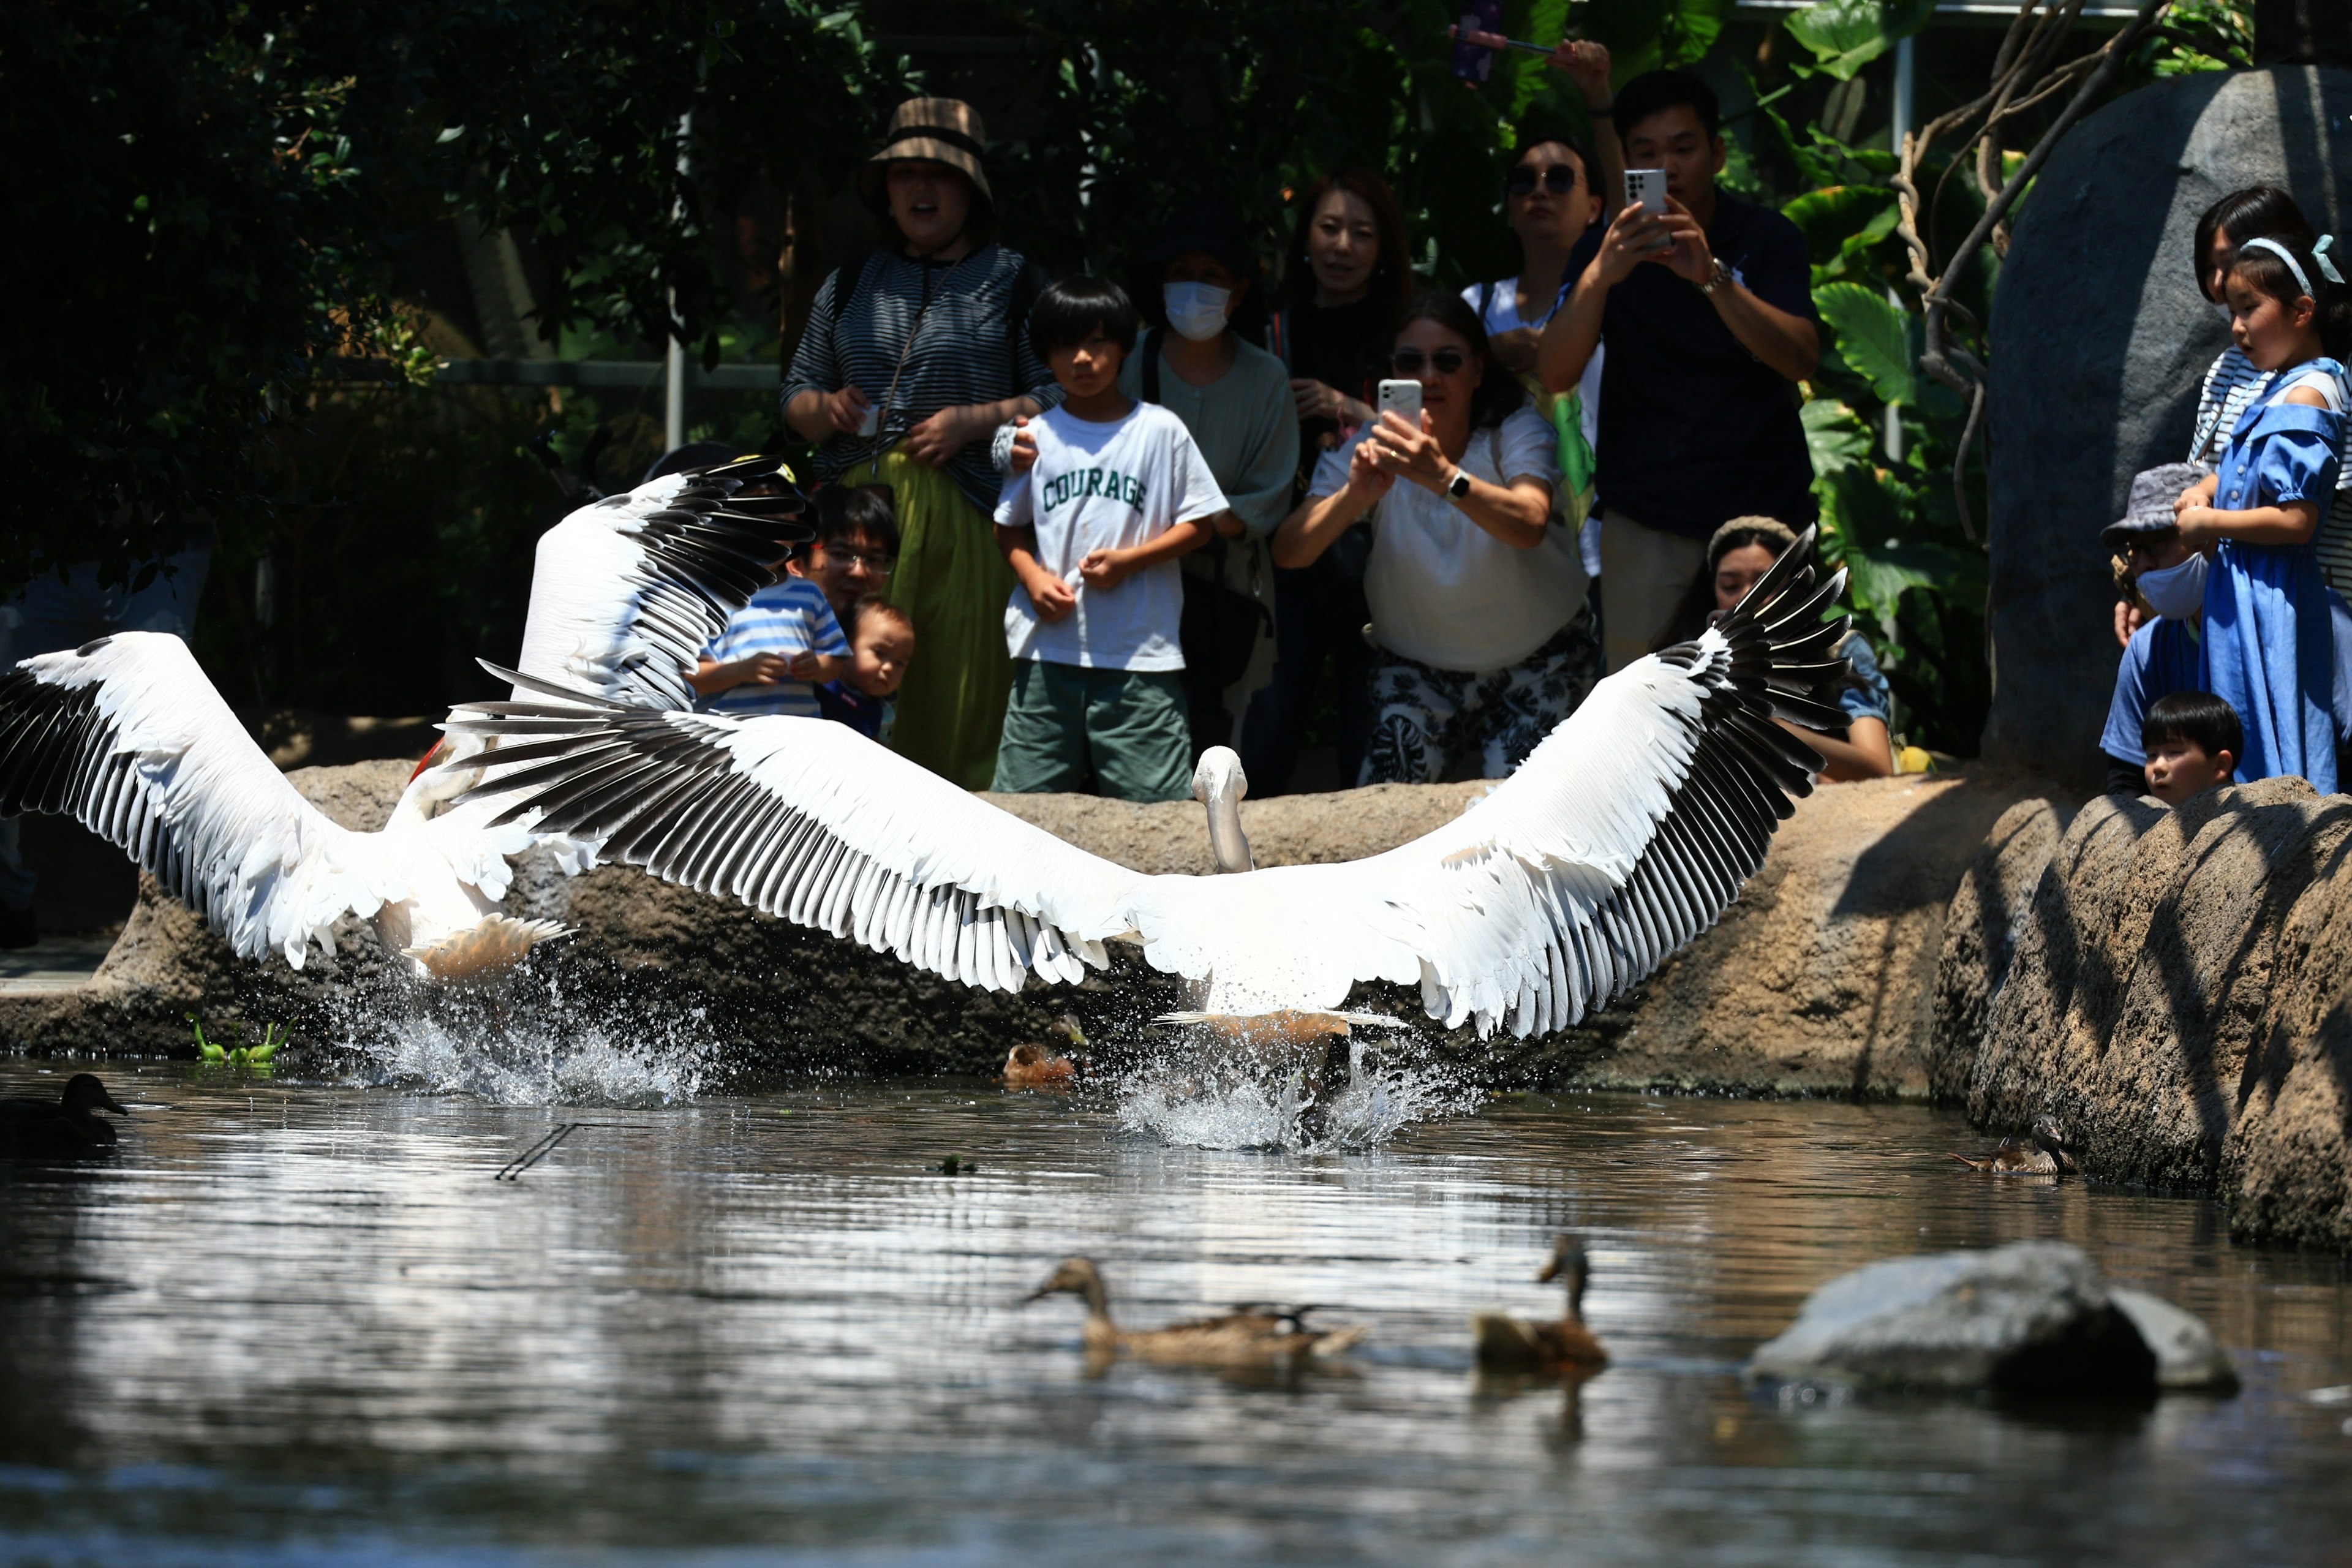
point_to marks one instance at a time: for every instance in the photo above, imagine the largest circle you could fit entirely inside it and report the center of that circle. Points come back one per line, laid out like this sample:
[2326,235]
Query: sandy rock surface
[2180,997]
[1819,980]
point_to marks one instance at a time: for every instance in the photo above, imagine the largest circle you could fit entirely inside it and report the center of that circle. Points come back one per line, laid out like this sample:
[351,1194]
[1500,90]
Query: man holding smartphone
[1709,311]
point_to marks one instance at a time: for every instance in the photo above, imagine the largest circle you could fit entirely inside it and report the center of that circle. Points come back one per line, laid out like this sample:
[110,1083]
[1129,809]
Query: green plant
[230,1054]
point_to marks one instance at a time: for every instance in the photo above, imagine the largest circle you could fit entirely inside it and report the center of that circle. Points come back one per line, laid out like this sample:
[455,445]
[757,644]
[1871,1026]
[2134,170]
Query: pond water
[300,1322]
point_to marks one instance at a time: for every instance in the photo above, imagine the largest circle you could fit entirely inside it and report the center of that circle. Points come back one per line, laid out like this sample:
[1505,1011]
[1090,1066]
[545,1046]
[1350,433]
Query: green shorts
[1117,732]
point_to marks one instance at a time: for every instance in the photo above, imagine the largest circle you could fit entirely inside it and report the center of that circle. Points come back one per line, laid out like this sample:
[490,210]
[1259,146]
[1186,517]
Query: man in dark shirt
[1708,310]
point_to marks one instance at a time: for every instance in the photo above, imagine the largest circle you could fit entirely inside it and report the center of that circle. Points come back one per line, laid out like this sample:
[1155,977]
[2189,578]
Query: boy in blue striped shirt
[775,652]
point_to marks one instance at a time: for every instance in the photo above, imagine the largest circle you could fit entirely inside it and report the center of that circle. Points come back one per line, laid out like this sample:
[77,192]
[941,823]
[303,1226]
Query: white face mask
[2175,592]
[1197,310]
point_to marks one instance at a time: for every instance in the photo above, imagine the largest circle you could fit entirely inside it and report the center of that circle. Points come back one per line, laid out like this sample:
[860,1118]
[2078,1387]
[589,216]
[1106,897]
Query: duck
[2042,1153]
[1039,1066]
[1253,1333]
[65,1127]
[1505,1343]
[1626,831]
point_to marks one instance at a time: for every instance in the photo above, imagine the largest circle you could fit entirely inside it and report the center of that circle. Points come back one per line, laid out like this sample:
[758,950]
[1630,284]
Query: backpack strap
[1486,303]
[855,271]
[1151,370]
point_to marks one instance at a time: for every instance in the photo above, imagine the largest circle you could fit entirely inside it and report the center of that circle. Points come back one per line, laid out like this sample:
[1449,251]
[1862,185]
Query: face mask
[2175,592]
[1197,310]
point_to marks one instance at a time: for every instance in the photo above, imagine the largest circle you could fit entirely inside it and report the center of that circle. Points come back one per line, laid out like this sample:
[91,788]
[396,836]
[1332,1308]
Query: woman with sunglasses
[1484,642]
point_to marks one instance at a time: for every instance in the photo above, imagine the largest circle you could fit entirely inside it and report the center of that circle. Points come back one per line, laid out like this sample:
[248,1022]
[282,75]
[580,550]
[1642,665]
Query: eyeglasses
[874,561]
[1559,179]
[1408,361]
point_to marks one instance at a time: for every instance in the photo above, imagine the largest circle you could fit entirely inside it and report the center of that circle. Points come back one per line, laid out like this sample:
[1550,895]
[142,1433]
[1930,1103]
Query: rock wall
[2179,993]
[2099,341]
[1819,981]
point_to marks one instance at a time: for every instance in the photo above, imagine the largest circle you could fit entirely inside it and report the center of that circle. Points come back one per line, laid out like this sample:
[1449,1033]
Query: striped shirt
[787,617]
[2231,384]
[963,351]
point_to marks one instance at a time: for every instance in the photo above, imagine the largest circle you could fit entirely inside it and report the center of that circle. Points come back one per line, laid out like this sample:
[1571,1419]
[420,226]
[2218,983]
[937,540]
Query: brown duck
[1249,1335]
[1039,1066]
[1508,1344]
[66,1128]
[2042,1153]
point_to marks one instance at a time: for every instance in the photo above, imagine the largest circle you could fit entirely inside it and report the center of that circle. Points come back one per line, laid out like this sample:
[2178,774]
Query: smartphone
[871,425]
[1646,187]
[1404,396]
[1472,62]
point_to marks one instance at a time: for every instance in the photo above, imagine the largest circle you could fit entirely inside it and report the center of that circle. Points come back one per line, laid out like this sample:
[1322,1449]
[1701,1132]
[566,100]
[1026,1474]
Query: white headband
[2302,279]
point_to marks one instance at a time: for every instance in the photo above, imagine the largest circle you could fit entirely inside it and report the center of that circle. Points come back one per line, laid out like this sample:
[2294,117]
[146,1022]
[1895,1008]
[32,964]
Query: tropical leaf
[1878,579]
[1846,35]
[1833,219]
[1835,437]
[1873,336]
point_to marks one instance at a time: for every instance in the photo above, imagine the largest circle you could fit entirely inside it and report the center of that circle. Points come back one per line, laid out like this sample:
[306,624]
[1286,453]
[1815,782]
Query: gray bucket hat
[2149,511]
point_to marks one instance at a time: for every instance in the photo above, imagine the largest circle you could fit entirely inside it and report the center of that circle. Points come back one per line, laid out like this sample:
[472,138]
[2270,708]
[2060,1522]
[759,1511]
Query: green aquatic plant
[257,1057]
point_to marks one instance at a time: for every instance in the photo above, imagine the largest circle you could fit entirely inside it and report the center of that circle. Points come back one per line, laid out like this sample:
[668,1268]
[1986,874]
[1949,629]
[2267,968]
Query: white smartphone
[1404,396]
[871,425]
[1646,188]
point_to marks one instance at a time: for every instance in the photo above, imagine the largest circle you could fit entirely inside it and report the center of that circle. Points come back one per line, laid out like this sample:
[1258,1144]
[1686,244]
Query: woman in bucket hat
[911,358]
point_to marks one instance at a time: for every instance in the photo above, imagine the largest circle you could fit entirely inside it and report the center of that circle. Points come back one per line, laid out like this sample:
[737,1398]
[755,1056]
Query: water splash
[1189,1098]
[528,1044]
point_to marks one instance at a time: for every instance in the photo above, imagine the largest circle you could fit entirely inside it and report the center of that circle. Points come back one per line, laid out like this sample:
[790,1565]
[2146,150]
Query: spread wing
[626,592]
[1626,834]
[127,736]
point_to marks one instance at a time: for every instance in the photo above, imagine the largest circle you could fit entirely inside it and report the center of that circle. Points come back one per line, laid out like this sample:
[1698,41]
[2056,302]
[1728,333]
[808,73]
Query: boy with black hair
[1093,531]
[855,546]
[2193,741]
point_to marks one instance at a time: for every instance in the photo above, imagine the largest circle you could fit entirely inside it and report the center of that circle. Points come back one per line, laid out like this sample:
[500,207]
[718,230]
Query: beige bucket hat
[938,130]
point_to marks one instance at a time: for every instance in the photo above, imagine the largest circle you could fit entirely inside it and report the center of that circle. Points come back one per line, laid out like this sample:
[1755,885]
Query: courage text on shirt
[1080,483]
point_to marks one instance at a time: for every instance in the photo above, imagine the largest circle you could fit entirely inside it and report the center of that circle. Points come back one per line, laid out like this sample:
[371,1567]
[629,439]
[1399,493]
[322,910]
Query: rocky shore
[2176,986]
[1820,980]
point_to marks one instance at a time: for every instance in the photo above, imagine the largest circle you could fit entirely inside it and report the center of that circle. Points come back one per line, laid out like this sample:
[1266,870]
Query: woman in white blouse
[1477,597]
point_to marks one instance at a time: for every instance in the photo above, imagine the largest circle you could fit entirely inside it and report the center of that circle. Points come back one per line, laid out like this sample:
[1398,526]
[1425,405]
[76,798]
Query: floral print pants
[1423,720]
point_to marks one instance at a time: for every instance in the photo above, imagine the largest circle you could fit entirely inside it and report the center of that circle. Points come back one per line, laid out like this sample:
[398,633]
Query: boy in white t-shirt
[1093,530]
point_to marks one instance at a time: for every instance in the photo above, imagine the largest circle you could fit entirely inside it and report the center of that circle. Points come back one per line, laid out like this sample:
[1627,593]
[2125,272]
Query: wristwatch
[1459,485]
[1718,274]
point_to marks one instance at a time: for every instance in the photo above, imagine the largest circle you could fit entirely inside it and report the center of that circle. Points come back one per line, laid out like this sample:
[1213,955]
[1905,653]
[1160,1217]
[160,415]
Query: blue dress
[2268,647]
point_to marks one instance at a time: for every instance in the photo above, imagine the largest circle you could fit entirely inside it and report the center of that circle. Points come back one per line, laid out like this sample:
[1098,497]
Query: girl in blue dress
[2268,647]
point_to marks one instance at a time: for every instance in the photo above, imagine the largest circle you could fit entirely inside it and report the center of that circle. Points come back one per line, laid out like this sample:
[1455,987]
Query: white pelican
[1626,833]
[128,735]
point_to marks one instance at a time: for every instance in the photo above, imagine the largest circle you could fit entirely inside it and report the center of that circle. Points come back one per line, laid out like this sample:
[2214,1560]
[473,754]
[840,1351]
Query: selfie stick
[1496,41]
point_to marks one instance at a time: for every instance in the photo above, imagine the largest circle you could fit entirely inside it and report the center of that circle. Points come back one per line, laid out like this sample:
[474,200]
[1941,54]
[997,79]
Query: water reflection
[299,1322]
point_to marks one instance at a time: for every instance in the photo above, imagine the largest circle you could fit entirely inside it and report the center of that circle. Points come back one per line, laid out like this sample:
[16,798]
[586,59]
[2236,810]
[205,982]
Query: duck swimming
[1254,1334]
[1507,1344]
[66,1128]
[2042,1153]
[1036,1066]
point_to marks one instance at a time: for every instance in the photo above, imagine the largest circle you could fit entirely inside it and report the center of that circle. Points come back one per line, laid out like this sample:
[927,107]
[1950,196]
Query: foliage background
[236,193]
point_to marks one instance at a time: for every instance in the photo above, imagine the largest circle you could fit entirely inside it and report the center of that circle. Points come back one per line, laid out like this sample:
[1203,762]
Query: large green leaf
[1847,35]
[1877,579]
[1834,435]
[1833,216]
[1872,336]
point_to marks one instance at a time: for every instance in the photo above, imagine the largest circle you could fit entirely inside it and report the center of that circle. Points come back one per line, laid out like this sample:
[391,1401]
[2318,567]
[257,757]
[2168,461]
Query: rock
[2032,1317]
[1980,936]
[2099,339]
[2188,1358]
[2180,997]
[1819,980]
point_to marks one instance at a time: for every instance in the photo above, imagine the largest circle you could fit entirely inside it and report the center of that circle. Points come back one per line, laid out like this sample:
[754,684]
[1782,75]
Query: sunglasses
[1448,362]
[1560,179]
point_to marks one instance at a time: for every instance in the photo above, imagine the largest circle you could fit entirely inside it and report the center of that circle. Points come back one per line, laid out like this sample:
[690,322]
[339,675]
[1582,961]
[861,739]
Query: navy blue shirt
[2162,659]
[1695,430]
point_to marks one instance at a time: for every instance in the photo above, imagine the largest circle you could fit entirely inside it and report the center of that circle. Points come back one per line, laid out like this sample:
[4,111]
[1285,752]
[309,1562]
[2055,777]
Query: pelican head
[1219,783]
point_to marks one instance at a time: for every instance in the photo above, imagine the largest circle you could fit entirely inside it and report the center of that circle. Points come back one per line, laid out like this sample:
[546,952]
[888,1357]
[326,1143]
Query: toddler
[2193,740]
[881,642]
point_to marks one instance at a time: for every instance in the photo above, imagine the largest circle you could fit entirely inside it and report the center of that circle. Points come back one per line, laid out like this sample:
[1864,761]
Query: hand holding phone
[1403,397]
[1646,188]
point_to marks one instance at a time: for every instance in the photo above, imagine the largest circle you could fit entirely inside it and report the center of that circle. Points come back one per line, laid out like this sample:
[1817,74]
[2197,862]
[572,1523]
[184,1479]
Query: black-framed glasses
[1559,179]
[1448,362]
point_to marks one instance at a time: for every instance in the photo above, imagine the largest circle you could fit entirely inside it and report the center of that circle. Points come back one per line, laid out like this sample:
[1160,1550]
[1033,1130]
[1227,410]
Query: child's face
[2270,332]
[1088,369]
[2178,769]
[878,656]
[846,570]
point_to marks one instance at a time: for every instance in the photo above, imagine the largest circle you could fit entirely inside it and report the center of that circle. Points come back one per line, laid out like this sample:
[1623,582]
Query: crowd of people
[2231,564]
[1134,518]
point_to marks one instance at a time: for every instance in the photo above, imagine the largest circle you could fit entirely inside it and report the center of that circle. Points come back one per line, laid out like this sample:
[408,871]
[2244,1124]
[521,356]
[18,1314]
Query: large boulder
[2033,1317]
[1819,981]
[2180,997]
[2099,341]
[1980,933]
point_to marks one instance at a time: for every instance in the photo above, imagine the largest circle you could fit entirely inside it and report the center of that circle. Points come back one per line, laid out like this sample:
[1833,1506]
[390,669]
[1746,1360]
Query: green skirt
[954,583]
